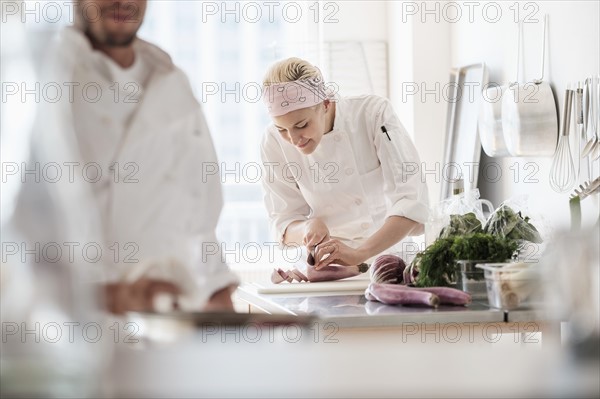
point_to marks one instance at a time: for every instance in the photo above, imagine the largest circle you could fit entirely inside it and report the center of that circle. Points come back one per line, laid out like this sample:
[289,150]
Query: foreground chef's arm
[138,296]
[220,301]
[393,230]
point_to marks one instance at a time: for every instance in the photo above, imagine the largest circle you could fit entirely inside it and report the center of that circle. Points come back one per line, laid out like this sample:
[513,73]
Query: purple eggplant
[301,275]
[331,273]
[276,277]
[447,295]
[369,296]
[393,294]
[327,273]
[285,275]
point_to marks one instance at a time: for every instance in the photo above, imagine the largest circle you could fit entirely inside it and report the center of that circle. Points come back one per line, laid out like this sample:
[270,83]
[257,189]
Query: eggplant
[295,277]
[276,278]
[285,275]
[279,276]
[393,294]
[301,275]
[327,273]
[447,295]
[369,296]
[331,273]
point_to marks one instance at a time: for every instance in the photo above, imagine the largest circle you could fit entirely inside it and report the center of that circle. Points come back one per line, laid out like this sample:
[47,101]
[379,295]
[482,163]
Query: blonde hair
[290,70]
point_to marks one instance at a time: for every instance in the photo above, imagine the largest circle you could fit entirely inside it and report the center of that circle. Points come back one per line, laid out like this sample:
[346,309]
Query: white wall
[419,54]
[424,50]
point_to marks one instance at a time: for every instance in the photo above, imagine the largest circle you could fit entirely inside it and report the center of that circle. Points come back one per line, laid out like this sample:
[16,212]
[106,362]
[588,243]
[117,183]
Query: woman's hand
[334,251]
[315,232]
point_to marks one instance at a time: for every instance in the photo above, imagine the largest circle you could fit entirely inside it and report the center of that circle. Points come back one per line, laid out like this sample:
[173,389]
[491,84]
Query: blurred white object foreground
[231,362]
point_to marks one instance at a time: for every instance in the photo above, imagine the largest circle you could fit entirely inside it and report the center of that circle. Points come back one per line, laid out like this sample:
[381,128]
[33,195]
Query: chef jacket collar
[338,123]
[160,60]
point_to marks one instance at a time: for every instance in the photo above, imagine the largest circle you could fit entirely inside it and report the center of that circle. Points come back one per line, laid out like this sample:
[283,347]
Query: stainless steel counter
[352,310]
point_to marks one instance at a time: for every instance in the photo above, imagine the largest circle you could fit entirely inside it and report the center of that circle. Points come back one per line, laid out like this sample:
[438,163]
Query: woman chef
[343,175]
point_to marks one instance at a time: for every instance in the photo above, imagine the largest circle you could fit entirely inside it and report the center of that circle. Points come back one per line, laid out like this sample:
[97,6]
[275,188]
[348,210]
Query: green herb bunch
[481,246]
[464,238]
[437,264]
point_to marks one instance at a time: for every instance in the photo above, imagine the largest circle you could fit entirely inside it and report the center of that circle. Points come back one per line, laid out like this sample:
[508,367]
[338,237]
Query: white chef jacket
[160,201]
[353,181]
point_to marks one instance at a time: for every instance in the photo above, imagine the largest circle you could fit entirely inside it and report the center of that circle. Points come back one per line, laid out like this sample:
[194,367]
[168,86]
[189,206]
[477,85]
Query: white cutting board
[352,284]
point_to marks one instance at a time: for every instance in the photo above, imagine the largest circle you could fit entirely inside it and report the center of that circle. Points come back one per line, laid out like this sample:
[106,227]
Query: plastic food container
[511,285]
[471,279]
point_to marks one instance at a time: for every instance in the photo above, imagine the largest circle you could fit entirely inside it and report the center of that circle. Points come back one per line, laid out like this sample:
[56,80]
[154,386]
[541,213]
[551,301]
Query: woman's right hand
[315,232]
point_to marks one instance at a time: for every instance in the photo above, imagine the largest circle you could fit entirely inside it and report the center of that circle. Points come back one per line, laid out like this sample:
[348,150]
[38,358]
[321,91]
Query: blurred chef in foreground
[346,180]
[148,138]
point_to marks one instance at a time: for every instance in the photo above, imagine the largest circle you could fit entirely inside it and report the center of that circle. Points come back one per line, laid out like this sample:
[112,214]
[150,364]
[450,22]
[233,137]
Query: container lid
[514,270]
[503,266]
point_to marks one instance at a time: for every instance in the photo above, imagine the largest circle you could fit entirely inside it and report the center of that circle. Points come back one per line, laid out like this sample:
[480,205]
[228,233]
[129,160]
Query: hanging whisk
[562,173]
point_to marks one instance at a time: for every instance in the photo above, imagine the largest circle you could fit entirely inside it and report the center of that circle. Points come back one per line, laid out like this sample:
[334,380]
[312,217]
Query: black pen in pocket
[384,130]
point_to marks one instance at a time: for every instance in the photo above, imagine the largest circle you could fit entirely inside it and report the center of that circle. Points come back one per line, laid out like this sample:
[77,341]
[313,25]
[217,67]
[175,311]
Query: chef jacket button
[358,201]
[337,138]
[105,120]
[349,171]
[364,226]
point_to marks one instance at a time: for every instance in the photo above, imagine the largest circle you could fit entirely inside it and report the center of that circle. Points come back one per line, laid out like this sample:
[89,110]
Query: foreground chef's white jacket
[158,208]
[355,178]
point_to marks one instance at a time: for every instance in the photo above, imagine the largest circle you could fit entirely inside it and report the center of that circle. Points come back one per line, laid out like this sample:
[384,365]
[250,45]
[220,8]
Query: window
[225,56]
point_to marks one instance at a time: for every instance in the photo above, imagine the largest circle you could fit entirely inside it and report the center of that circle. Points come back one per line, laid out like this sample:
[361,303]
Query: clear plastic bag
[458,215]
[511,220]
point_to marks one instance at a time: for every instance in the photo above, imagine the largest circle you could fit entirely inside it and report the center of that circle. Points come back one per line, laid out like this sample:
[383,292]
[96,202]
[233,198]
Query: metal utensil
[592,117]
[586,134]
[311,257]
[579,124]
[595,153]
[586,118]
[529,118]
[562,172]
[586,189]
